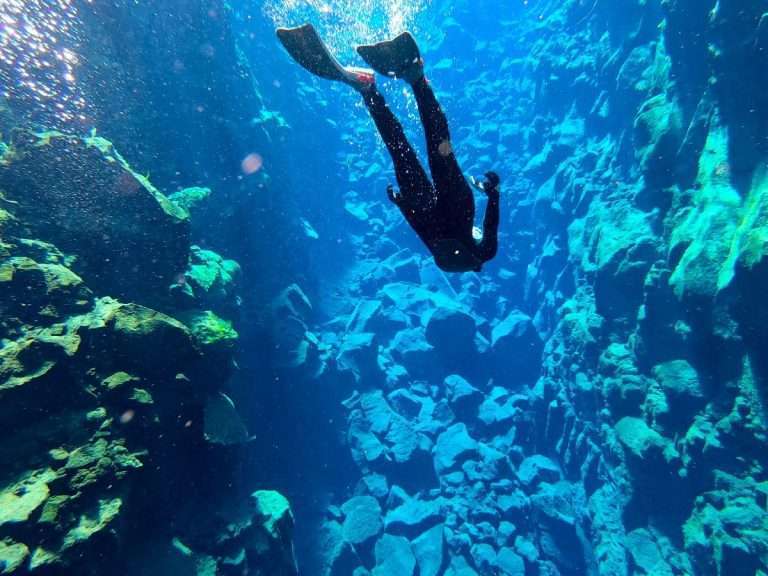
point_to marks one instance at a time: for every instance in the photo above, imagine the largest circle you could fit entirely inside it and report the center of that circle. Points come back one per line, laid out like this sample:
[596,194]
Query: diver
[441,211]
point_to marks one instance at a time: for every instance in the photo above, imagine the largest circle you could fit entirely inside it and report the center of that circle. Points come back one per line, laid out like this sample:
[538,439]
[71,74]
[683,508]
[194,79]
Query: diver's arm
[489,244]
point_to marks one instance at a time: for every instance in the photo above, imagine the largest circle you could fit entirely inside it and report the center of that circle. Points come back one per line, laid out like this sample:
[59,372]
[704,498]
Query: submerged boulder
[517,346]
[362,521]
[453,447]
[394,557]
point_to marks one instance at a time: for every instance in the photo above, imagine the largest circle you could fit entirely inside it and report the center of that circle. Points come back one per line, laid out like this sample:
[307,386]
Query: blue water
[593,402]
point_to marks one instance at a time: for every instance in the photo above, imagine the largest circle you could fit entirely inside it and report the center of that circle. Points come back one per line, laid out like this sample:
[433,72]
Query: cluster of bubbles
[39,59]
[344,24]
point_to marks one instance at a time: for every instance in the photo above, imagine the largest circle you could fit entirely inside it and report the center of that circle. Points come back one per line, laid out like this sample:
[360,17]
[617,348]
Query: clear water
[592,402]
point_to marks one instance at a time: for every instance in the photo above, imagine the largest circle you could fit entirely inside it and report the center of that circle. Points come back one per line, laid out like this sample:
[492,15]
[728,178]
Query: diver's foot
[413,72]
[361,79]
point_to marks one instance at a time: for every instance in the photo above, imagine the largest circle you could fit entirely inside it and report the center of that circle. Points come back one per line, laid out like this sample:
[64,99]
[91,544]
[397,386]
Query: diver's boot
[398,58]
[361,79]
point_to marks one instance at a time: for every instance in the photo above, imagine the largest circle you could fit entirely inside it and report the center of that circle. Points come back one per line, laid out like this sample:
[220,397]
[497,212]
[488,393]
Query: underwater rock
[12,555]
[658,133]
[212,334]
[295,345]
[536,469]
[429,550]
[615,242]
[515,340]
[678,396]
[362,520]
[452,335]
[131,241]
[210,282]
[357,355]
[463,397]
[484,558]
[646,555]
[556,510]
[222,423]
[274,513]
[722,230]
[336,555]
[726,531]
[20,500]
[394,557]
[510,563]
[453,447]
[643,443]
[189,199]
[413,515]
[138,337]
[41,293]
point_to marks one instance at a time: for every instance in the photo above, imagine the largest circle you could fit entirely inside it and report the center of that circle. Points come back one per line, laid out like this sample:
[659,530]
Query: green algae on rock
[210,282]
[18,501]
[12,555]
[189,199]
[723,228]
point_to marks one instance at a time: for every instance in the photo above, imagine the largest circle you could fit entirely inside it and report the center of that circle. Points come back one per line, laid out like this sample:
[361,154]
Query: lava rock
[516,341]
[362,520]
[453,447]
[429,550]
[536,469]
[394,557]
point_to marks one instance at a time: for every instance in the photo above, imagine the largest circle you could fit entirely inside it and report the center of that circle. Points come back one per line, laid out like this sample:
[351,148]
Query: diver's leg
[415,187]
[452,187]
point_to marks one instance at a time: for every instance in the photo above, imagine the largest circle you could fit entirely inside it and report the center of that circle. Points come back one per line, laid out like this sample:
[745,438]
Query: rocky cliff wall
[121,452]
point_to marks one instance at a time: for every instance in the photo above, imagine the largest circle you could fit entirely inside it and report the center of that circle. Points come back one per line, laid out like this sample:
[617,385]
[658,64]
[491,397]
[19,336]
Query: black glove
[491,183]
[394,197]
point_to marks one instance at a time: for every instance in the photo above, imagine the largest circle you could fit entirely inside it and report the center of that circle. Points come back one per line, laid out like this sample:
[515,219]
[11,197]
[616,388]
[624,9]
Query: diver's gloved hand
[394,197]
[491,183]
[489,186]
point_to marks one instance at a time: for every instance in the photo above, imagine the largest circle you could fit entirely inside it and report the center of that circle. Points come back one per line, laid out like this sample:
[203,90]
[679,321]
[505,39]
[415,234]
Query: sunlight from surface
[344,24]
[38,57]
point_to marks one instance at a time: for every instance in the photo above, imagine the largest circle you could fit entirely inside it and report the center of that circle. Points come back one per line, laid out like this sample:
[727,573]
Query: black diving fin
[305,46]
[394,58]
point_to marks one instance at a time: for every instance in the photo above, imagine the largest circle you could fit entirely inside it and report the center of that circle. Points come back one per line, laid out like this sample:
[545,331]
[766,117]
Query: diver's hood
[454,255]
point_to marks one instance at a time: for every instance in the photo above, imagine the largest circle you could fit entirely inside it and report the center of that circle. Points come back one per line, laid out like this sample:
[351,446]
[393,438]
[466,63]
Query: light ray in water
[344,24]
[38,56]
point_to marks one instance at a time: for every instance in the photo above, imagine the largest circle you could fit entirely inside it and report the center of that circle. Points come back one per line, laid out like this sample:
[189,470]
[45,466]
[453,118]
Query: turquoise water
[225,351]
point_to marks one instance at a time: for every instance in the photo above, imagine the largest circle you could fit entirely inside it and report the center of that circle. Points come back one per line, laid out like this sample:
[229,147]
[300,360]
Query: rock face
[97,395]
[95,199]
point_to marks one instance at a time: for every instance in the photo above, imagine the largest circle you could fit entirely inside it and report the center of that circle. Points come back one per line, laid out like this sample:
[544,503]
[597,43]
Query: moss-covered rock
[188,199]
[211,282]
[142,340]
[722,229]
[614,242]
[18,501]
[12,555]
[210,331]
[658,132]
[40,293]
[726,533]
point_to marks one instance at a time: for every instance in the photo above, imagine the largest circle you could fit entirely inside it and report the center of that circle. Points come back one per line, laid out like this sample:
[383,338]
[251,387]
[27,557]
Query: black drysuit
[443,213]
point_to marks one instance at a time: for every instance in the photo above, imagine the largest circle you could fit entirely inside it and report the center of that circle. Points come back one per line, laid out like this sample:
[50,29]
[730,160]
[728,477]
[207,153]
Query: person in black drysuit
[441,212]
